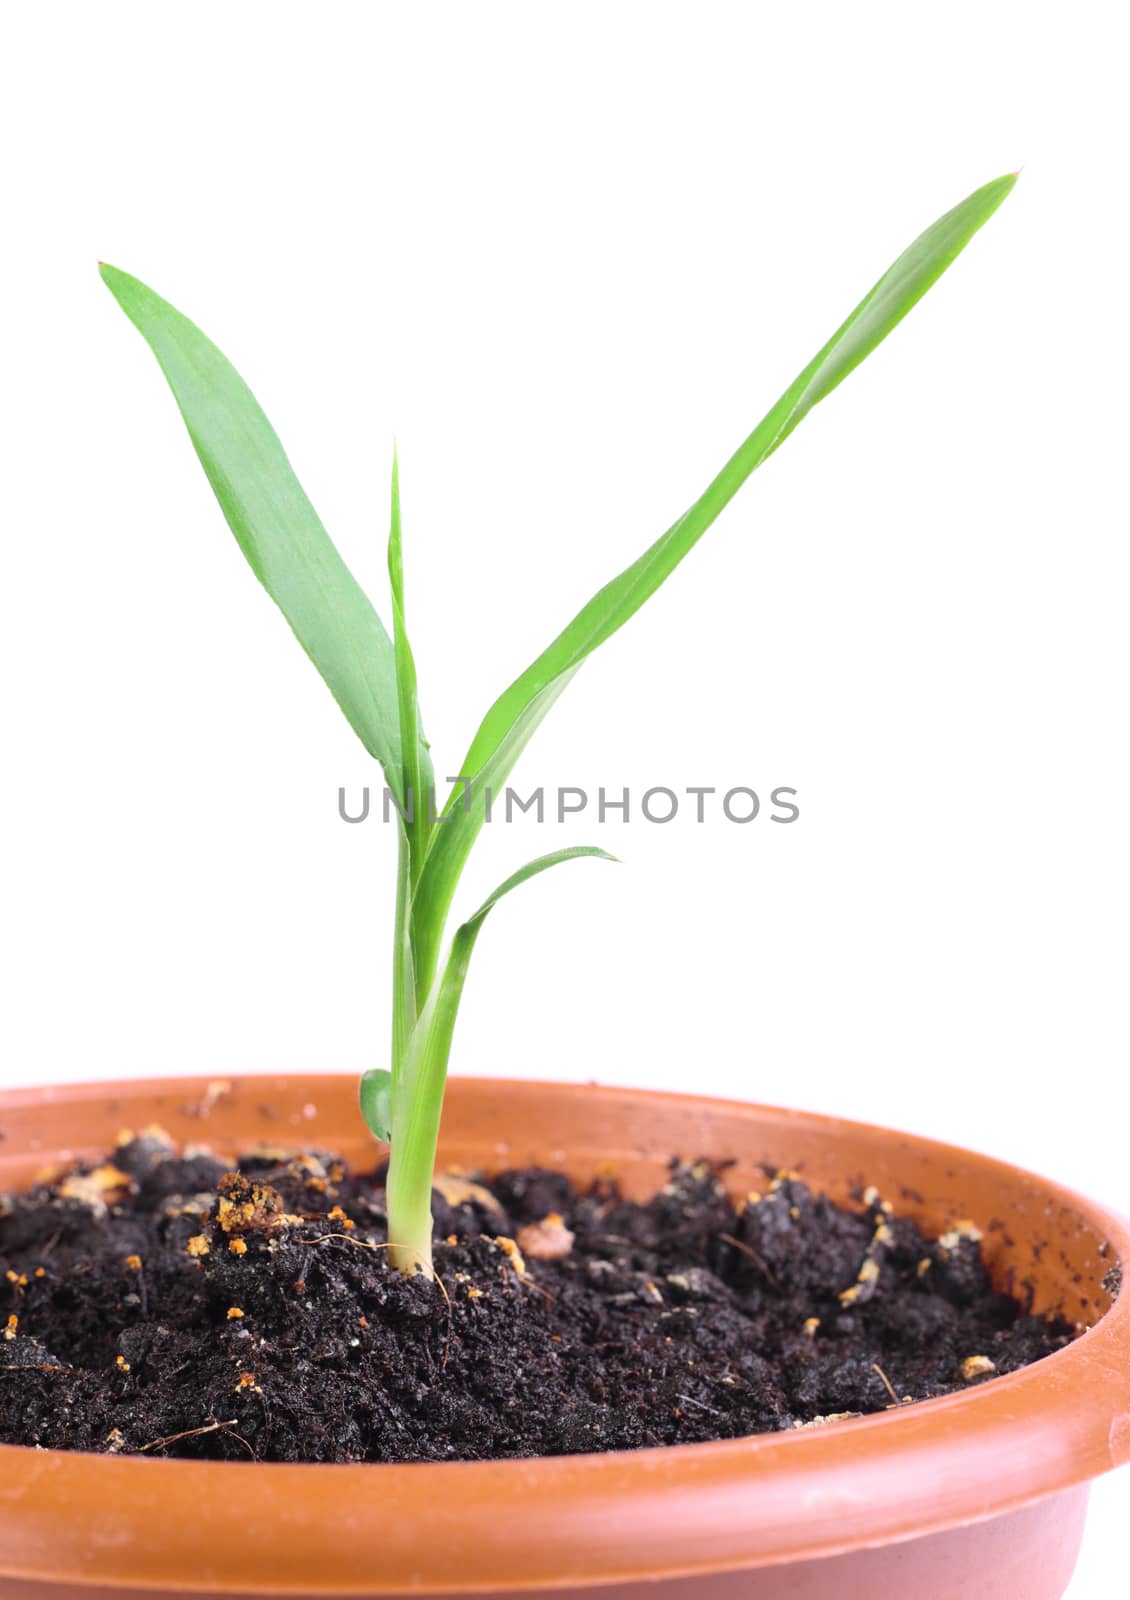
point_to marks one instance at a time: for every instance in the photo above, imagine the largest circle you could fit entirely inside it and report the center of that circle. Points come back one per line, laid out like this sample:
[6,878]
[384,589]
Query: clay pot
[978,1494]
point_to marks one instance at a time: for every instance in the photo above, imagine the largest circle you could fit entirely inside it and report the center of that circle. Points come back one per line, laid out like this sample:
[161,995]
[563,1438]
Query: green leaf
[573,852]
[418,1095]
[417,783]
[276,527]
[437,1022]
[376,1102]
[511,721]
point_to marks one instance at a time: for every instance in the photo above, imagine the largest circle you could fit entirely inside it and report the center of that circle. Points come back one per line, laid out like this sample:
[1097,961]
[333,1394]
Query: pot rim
[466,1527]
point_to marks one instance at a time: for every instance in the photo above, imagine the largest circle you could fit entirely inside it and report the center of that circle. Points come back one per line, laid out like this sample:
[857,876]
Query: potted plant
[808,1357]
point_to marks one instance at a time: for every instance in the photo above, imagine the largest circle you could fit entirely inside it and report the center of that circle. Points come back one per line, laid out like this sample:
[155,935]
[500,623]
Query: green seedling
[373,676]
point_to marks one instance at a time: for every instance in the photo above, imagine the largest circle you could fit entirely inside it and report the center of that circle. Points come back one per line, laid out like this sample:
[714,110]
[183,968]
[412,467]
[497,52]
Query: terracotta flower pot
[980,1494]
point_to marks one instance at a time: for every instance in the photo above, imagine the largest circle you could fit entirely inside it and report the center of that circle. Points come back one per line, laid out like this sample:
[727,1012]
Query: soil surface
[163,1303]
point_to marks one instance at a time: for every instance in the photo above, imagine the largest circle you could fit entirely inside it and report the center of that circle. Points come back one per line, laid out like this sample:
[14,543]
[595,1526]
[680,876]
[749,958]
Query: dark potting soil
[162,1303]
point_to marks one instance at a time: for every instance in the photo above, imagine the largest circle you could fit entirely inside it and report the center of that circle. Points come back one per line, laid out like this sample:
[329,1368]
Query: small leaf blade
[272,519]
[375,1096]
[417,780]
[533,869]
[438,1017]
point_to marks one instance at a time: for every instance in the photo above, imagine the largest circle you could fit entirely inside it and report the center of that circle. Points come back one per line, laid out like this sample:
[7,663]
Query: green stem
[416,1110]
[408,1197]
[417,1099]
[403,957]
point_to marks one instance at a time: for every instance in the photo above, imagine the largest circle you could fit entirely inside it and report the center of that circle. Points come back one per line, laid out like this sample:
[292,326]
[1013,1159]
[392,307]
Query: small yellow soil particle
[923,1267]
[512,1253]
[242,1206]
[10,1275]
[121,1363]
[547,1240]
[362,1322]
[867,1277]
[234,1313]
[863,1286]
[811,1325]
[153,1133]
[216,1090]
[977,1367]
[452,1239]
[460,1191]
[115,1439]
[133,1263]
[473,1293]
[41,1272]
[237,1247]
[280,1154]
[13,1324]
[110,1180]
[99,1189]
[198,1245]
[247,1381]
[961,1230]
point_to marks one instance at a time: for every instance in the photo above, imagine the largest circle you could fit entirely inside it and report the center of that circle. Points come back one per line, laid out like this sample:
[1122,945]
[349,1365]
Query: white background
[569,254]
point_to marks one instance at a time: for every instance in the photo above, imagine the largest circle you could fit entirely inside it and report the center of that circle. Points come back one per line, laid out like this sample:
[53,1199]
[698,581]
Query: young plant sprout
[373,676]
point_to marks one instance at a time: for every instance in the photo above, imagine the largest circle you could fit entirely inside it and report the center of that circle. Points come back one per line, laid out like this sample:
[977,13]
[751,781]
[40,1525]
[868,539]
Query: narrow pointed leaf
[417,781]
[573,852]
[529,697]
[276,527]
